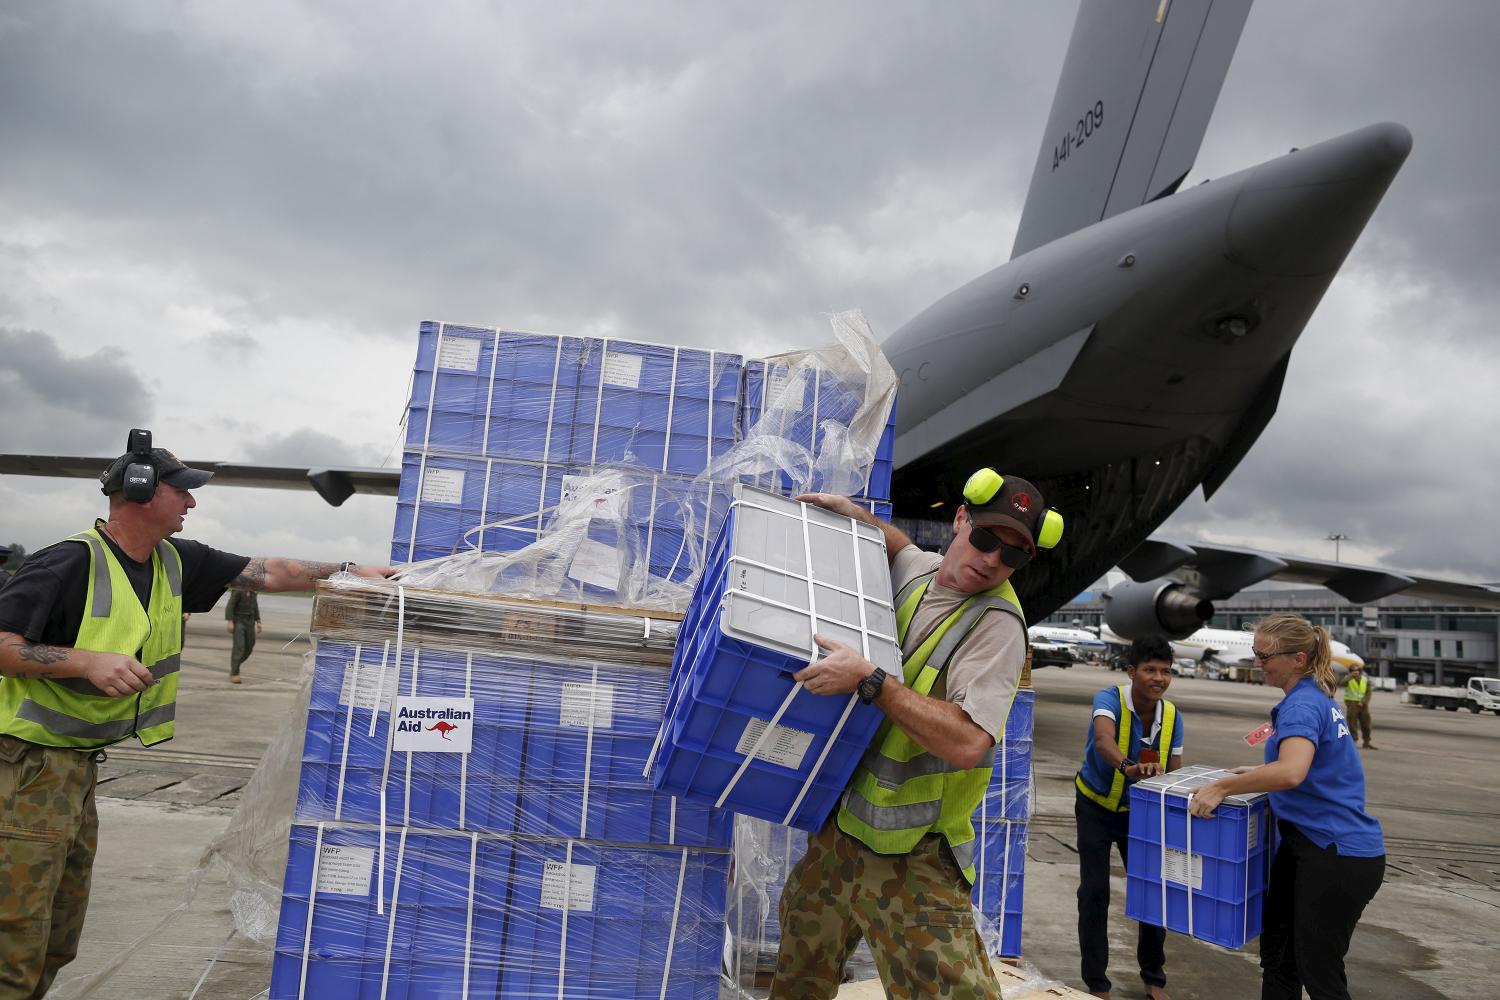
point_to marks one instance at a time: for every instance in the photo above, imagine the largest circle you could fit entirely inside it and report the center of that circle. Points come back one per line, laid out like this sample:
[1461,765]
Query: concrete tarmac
[1429,932]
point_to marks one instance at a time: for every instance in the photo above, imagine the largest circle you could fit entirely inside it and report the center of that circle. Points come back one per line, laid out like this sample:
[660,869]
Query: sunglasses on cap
[986,541]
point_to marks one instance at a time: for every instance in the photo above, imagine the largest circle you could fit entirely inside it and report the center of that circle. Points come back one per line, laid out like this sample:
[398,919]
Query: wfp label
[622,369]
[587,706]
[568,887]
[785,746]
[434,725]
[366,686]
[345,871]
[443,486]
[461,353]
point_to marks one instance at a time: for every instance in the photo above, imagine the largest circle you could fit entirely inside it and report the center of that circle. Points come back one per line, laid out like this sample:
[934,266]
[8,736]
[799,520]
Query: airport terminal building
[1413,641]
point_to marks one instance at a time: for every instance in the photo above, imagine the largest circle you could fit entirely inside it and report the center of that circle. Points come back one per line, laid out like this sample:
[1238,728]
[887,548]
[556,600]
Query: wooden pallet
[493,623]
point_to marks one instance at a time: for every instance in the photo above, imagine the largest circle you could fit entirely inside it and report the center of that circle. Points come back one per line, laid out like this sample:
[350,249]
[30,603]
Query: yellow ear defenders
[985,485]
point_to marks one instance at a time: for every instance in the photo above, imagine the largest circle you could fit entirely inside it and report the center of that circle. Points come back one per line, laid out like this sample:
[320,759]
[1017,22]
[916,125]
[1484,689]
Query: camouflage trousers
[48,833]
[243,643]
[913,909]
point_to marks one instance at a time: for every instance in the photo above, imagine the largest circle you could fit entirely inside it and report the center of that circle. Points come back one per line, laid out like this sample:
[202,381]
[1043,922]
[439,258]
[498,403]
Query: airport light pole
[1335,538]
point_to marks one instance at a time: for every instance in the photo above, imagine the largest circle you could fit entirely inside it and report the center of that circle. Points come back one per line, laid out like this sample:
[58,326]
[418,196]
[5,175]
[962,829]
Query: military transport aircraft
[1135,345]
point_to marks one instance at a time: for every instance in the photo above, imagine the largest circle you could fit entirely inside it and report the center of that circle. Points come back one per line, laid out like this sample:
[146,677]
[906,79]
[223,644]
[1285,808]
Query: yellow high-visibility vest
[900,792]
[71,712]
[1114,799]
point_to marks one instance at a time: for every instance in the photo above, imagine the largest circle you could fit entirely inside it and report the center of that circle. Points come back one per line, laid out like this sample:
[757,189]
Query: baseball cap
[169,470]
[1017,504]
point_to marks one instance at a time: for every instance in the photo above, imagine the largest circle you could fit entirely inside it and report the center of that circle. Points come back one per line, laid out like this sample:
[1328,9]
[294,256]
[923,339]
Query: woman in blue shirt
[1332,855]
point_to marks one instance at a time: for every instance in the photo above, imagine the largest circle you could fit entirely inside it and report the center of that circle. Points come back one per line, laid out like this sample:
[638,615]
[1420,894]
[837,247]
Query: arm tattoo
[276,574]
[252,577]
[35,652]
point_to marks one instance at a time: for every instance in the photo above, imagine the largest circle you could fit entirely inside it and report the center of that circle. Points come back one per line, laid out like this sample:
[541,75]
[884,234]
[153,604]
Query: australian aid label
[442,725]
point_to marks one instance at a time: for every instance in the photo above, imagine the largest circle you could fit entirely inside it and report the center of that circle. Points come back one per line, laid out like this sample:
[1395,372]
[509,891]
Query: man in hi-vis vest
[895,863]
[1134,733]
[90,646]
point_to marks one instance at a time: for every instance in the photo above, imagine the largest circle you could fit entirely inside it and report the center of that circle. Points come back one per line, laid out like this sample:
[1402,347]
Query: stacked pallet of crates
[472,817]
[503,427]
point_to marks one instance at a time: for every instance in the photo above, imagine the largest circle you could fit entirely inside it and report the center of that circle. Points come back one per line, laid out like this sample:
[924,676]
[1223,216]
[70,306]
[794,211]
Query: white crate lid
[1185,780]
[787,560]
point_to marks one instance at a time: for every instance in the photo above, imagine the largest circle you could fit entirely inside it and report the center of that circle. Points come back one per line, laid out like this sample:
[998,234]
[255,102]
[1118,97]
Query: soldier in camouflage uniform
[90,653]
[895,864]
[242,622]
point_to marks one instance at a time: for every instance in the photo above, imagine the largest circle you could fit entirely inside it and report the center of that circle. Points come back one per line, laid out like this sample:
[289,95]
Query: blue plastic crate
[732,670]
[417,918]
[667,409]
[1207,879]
[999,886]
[483,392]
[614,922]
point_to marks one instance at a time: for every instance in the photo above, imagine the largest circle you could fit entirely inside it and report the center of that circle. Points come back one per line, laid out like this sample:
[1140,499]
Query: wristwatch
[1124,763]
[869,688]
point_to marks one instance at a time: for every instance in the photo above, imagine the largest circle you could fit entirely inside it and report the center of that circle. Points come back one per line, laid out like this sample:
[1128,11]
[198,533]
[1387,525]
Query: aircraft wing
[1219,571]
[333,484]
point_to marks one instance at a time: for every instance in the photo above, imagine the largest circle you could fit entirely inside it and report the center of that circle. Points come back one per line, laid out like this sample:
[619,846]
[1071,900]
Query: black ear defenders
[139,482]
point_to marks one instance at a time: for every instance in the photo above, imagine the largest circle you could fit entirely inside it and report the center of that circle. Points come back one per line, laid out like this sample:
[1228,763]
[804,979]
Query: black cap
[169,470]
[1017,504]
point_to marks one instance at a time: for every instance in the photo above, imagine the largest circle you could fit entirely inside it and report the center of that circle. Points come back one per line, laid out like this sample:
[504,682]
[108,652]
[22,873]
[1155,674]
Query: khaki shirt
[982,675]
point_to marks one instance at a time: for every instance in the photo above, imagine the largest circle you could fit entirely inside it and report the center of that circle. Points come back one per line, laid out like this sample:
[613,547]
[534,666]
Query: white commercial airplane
[1225,647]
[1077,641]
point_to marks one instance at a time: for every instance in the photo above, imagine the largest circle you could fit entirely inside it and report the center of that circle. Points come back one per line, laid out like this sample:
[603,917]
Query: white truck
[1482,695]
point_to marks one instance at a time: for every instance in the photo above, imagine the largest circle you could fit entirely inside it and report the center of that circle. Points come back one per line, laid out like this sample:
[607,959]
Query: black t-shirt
[44,601]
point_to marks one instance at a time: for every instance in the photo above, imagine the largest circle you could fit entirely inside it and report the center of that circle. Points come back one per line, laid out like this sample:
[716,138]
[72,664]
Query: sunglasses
[1262,657]
[986,541]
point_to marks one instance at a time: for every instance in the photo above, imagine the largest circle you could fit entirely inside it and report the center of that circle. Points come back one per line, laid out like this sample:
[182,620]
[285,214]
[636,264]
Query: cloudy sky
[225,221]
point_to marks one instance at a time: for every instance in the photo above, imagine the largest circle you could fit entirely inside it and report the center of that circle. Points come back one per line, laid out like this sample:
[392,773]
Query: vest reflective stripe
[96,732]
[1356,692]
[900,792]
[893,773]
[72,712]
[103,593]
[159,669]
[1114,800]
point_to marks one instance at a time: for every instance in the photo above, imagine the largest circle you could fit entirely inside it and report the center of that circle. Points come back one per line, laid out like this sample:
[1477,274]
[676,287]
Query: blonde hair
[1295,634]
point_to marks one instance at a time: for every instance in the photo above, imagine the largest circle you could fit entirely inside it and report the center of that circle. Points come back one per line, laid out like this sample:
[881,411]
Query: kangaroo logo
[443,728]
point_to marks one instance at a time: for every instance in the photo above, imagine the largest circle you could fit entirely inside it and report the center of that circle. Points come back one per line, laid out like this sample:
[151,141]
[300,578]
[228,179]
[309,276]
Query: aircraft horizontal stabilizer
[335,485]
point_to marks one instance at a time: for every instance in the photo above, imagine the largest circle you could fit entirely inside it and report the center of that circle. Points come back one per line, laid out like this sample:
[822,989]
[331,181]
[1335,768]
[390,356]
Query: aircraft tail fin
[1138,84]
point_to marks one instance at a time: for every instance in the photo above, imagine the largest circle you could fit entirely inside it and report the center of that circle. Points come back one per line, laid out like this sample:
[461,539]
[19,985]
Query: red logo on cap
[1021,502]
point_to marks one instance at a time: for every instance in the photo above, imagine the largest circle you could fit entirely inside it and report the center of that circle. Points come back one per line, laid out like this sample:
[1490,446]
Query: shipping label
[367,686]
[459,353]
[785,746]
[587,706]
[562,892]
[443,485]
[345,871]
[1178,867]
[596,565]
[622,369]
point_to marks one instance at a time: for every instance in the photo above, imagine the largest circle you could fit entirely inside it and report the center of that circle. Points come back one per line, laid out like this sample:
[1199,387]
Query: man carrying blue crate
[895,865]
[90,649]
[1122,747]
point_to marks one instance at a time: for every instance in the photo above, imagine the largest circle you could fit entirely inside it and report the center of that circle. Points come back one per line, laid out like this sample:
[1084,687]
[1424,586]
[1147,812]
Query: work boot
[1103,996]
[234,678]
[1371,746]
[1157,993]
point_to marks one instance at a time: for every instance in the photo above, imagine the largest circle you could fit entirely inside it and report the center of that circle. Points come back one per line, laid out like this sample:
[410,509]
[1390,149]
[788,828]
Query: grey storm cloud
[325,176]
[58,403]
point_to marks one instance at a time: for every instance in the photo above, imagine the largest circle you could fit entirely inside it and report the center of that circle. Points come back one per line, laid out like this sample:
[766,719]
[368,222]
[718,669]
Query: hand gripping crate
[1202,877]
[739,732]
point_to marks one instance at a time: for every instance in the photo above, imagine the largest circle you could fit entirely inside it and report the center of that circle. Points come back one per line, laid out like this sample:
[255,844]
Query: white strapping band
[666,973]
[312,899]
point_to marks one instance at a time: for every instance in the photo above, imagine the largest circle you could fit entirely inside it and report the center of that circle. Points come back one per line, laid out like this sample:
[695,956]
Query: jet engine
[1135,609]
